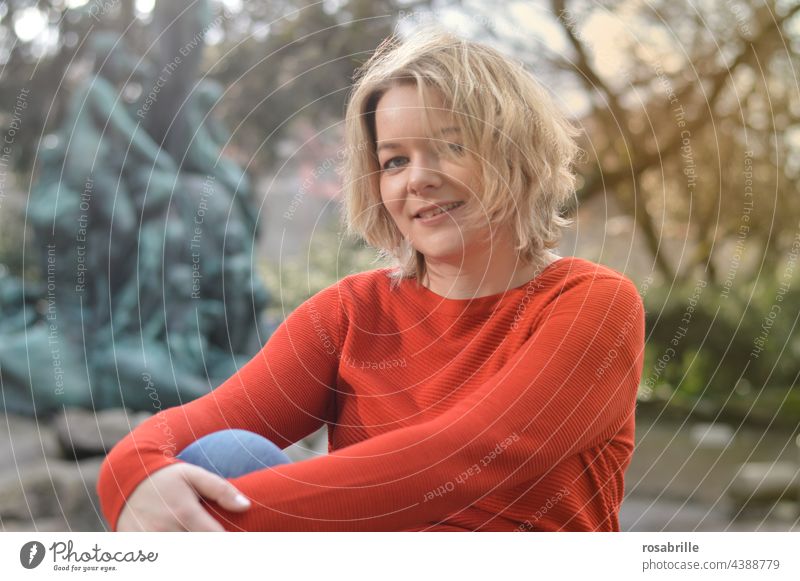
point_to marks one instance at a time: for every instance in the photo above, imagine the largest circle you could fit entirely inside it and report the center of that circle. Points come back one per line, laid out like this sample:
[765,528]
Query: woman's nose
[424,174]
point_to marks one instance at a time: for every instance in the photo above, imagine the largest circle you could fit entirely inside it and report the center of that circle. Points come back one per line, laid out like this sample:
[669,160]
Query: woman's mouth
[430,215]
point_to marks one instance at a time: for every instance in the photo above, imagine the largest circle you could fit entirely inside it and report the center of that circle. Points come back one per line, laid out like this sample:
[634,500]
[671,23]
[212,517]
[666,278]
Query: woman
[481,384]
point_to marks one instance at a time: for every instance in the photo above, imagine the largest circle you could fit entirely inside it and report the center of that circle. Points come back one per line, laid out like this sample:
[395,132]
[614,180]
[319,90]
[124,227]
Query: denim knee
[232,453]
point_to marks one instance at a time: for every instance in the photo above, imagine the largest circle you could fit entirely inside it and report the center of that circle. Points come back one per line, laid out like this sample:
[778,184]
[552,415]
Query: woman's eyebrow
[392,145]
[387,145]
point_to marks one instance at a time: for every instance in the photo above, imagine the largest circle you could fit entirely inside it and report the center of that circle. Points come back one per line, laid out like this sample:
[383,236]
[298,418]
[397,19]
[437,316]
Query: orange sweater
[507,412]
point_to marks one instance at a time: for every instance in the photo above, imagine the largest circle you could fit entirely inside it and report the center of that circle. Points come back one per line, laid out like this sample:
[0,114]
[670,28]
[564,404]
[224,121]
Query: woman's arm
[570,387]
[284,393]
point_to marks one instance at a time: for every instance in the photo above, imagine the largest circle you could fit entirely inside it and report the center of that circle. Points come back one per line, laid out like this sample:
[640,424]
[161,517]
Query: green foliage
[331,256]
[730,352]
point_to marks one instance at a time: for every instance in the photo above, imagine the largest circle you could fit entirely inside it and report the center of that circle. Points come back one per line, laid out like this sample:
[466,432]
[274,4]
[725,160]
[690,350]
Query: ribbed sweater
[507,412]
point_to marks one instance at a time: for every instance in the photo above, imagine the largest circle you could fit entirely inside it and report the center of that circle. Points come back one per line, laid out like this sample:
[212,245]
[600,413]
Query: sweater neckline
[436,304]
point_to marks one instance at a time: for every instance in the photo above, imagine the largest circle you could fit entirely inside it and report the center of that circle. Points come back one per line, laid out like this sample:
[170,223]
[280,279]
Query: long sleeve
[285,392]
[571,386]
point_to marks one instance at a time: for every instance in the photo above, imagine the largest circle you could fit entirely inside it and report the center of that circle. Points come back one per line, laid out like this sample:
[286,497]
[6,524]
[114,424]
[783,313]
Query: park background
[690,118]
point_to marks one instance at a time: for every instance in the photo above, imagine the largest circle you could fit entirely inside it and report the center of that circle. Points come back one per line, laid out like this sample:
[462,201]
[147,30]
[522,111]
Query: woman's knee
[231,453]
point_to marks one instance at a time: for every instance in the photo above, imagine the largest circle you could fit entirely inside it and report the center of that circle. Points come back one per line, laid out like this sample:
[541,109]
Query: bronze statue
[146,233]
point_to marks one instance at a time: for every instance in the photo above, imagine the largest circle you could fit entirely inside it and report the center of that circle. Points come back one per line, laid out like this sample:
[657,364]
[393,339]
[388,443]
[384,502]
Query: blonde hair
[524,145]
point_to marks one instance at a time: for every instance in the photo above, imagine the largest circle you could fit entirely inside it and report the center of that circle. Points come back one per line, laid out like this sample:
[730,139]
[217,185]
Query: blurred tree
[278,60]
[289,60]
[40,42]
[697,94]
[691,116]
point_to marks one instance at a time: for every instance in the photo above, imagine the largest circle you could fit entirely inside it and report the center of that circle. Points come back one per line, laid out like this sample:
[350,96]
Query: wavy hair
[524,145]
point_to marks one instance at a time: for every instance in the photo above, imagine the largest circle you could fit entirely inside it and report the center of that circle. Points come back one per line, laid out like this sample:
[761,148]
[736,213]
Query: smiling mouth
[437,211]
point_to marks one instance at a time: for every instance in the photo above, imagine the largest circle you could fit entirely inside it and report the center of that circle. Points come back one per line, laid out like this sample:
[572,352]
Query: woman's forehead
[400,109]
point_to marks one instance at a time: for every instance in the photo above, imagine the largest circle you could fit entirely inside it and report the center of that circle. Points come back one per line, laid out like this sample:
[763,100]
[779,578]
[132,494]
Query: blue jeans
[232,453]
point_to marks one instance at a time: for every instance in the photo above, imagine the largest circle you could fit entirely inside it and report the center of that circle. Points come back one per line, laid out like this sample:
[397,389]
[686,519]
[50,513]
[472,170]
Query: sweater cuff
[114,487]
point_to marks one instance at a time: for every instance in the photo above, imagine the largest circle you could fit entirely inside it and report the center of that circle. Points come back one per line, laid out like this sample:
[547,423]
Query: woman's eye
[394,162]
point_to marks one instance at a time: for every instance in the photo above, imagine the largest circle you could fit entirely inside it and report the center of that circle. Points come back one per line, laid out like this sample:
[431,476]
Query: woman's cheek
[395,208]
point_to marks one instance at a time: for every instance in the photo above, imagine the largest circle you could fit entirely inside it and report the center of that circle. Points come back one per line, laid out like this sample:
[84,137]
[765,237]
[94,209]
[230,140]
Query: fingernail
[241,500]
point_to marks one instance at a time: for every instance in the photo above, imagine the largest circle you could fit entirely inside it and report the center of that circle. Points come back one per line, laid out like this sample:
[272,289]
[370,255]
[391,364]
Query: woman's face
[413,177]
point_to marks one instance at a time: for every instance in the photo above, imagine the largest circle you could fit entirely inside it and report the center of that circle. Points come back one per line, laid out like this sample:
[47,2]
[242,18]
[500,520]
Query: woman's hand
[169,500]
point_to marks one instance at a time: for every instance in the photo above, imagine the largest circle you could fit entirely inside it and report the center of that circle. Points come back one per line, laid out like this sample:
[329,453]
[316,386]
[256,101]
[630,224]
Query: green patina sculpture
[147,297]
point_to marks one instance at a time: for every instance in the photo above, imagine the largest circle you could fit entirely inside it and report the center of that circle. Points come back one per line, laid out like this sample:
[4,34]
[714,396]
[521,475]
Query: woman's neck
[482,278]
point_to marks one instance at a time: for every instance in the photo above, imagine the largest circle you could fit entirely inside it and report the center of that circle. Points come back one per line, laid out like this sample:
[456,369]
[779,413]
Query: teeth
[436,212]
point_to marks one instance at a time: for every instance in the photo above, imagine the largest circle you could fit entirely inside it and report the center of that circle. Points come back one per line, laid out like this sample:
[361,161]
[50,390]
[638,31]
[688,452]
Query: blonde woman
[482,383]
